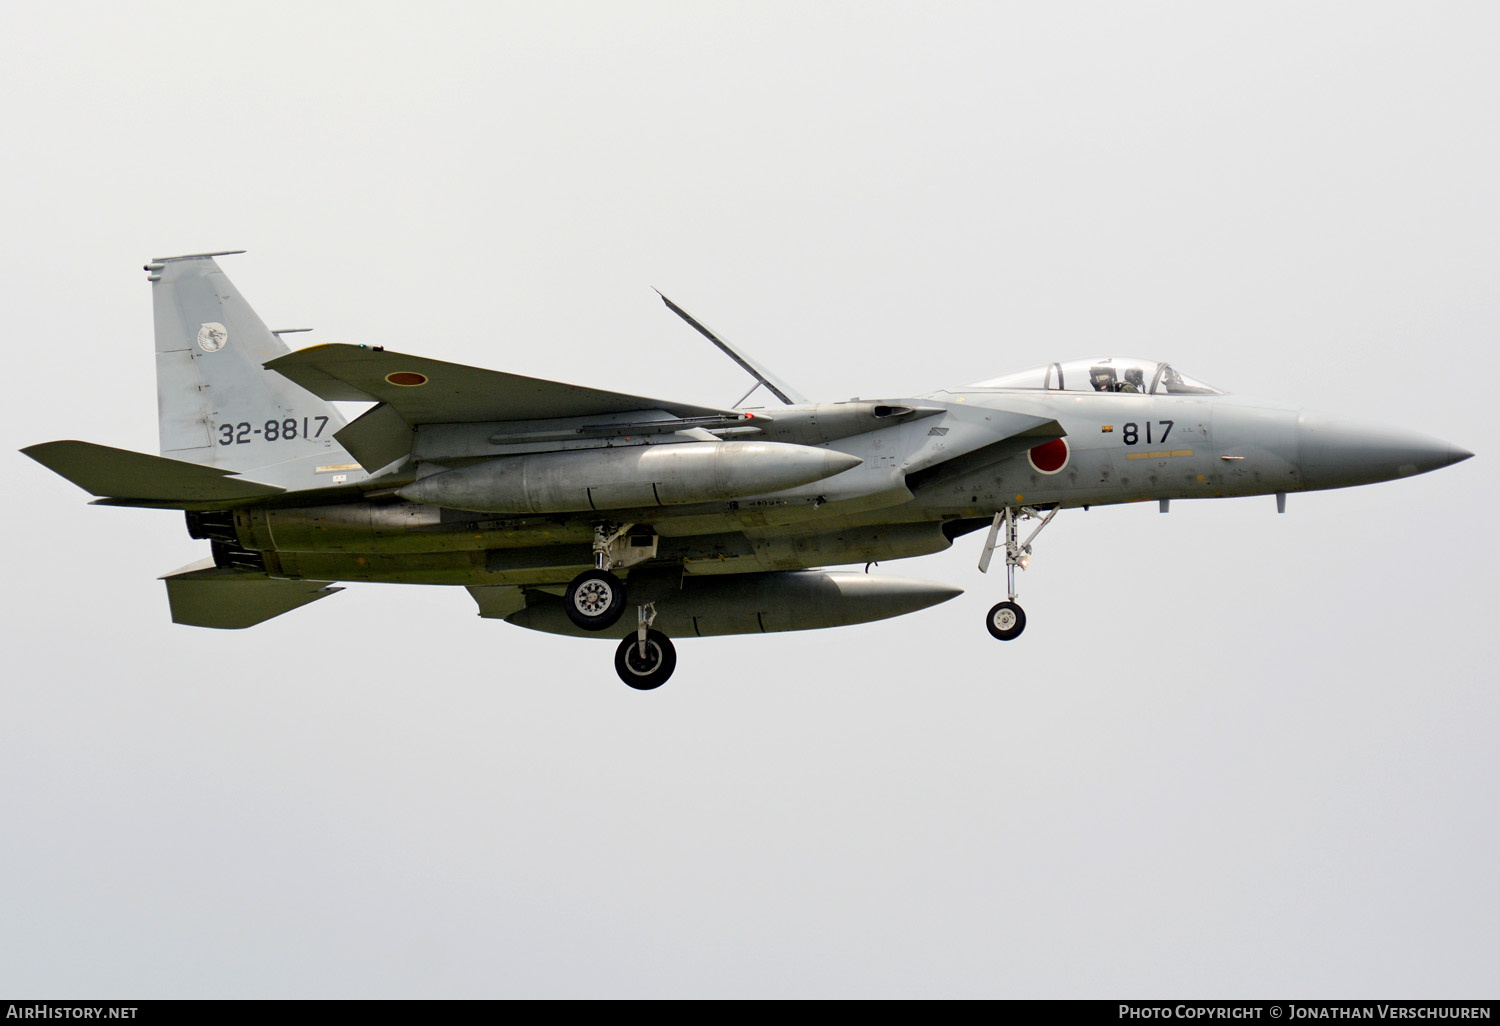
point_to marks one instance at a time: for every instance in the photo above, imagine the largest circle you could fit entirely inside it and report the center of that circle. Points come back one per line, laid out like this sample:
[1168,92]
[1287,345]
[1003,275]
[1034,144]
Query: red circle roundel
[1049,457]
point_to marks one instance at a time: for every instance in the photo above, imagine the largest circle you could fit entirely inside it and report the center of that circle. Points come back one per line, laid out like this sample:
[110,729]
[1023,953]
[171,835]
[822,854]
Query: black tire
[595,599]
[652,671]
[1006,621]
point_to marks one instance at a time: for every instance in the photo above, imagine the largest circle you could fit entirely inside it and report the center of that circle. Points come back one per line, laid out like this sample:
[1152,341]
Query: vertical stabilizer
[216,403]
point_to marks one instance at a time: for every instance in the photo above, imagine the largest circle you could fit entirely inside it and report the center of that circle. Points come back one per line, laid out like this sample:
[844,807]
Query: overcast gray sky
[1234,754]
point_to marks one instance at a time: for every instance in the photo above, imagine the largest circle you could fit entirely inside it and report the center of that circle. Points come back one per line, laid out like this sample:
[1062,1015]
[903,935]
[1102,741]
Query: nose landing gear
[647,657]
[1006,620]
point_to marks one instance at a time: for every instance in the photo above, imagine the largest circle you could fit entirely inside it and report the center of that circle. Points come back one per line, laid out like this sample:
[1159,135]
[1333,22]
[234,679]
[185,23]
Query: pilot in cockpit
[1135,380]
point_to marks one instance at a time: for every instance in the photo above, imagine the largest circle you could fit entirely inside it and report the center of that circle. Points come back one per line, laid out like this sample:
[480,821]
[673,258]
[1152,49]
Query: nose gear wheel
[1006,621]
[645,664]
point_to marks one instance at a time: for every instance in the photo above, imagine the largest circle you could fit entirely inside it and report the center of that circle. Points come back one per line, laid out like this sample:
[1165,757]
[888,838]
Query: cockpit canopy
[1106,374]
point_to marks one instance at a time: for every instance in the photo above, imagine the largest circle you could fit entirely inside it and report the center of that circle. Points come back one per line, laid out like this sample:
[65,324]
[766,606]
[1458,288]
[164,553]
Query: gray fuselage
[923,480]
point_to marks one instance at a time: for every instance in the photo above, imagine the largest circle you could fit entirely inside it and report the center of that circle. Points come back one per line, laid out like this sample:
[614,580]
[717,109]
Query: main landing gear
[1006,620]
[595,601]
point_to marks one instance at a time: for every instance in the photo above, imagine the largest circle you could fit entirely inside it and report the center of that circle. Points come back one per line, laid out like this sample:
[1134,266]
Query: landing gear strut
[646,658]
[1006,620]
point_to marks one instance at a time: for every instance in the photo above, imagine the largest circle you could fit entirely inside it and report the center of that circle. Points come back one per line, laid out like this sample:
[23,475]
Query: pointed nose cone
[1339,453]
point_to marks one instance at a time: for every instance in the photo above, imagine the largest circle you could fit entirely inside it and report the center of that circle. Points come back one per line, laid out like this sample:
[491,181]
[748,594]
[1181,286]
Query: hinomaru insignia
[212,336]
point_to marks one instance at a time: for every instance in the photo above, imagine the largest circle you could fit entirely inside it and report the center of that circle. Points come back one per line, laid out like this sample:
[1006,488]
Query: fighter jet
[561,508]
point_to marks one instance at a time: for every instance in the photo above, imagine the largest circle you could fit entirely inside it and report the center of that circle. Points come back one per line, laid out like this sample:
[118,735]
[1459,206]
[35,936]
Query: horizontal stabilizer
[122,474]
[204,595]
[426,391]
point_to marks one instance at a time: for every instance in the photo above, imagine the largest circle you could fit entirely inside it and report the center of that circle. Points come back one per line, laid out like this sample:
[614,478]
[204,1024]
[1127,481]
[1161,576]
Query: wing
[423,391]
[412,391]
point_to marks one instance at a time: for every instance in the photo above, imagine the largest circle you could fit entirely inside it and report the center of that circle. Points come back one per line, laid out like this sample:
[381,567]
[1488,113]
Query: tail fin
[217,404]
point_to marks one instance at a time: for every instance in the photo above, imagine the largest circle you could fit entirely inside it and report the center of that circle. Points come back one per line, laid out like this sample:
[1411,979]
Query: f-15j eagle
[561,507]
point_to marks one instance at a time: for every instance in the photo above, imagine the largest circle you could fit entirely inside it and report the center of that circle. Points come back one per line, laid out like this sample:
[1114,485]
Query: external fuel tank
[670,474]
